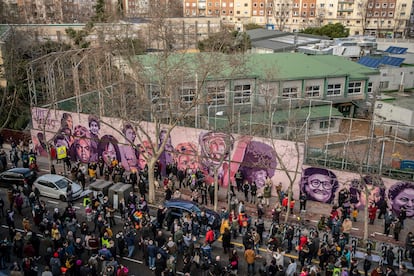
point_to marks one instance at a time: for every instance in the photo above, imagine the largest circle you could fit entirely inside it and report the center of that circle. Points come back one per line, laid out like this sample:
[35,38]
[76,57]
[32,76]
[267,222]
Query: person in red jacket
[285,203]
[292,205]
[209,236]
[372,213]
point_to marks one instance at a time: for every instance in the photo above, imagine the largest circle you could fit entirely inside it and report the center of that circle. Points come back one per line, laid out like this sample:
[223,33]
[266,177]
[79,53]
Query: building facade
[389,18]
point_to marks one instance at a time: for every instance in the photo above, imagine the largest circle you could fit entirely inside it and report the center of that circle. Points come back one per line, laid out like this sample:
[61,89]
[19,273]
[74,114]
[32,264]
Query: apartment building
[382,18]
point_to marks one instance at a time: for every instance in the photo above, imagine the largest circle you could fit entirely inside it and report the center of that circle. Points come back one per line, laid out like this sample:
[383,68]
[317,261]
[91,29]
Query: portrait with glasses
[319,184]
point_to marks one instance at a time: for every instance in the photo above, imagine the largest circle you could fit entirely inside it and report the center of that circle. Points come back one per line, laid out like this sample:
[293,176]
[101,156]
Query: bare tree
[281,12]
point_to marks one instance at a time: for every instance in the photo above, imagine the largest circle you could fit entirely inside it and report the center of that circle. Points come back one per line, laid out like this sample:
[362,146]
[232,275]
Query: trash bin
[119,191]
[100,186]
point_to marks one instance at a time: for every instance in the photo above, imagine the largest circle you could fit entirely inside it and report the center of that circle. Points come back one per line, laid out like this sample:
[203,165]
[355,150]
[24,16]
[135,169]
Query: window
[305,5]
[403,5]
[312,91]
[279,129]
[254,4]
[290,92]
[160,103]
[331,5]
[355,87]
[377,5]
[224,4]
[216,95]
[325,124]
[384,84]
[246,4]
[384,5]
[322,5]
[392,5]
[187,96]
[242,93]
[369,90]
[333,90]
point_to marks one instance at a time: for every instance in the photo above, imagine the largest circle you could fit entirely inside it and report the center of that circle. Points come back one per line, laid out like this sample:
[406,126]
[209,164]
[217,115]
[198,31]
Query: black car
[177,207]
[17,176]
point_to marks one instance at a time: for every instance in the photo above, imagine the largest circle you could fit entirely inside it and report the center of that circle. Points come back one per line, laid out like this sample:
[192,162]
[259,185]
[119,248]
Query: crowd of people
[77,244]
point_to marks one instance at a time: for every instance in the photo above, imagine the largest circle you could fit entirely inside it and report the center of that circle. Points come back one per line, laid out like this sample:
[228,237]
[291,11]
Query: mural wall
[88,138]
[324,185]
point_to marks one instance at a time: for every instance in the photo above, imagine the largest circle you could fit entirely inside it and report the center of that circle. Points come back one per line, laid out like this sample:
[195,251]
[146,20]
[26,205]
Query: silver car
[55,186]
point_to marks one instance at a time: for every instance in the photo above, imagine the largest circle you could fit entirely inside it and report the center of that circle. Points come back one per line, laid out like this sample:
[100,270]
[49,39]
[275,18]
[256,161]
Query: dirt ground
[353,143]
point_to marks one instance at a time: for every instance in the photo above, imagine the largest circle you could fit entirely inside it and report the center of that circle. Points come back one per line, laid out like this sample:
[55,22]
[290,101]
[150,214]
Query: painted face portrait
[376,189]
[401,195]
[145,151]
[319,184]
[83,150]
[109,153]
[66,121]
[94,127]
[130,135]
[108,149]
[259,162]
[215,146]
[129,158]
[260,177]
[186,156]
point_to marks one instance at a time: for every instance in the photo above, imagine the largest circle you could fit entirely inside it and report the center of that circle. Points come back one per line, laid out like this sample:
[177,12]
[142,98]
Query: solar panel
[392,61]
[396,50]
[370,62]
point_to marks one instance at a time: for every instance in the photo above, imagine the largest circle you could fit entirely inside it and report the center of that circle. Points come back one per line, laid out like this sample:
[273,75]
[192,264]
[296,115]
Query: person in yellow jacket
[224,224]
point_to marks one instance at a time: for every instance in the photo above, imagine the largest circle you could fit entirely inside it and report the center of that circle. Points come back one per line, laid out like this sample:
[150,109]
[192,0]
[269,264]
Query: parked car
[55,186]
[17,176]
[176,208]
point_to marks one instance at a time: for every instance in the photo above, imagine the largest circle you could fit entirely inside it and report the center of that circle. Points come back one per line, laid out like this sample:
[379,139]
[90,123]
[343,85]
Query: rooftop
[404,100]
[278,41]
[269,67]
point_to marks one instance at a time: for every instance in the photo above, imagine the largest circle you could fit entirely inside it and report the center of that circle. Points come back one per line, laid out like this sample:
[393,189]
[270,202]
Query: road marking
[53,202]
[21,230]
[356,229]
[76,207]
[312,220]
[132,260]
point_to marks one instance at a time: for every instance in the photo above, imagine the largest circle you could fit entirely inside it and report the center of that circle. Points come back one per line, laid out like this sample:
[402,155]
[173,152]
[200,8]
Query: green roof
[300,66]
[269,67]
[3,30]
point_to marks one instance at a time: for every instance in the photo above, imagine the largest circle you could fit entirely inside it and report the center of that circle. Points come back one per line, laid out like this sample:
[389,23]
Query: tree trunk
[151,180]
[367,192]
[290,195]
[215,189]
